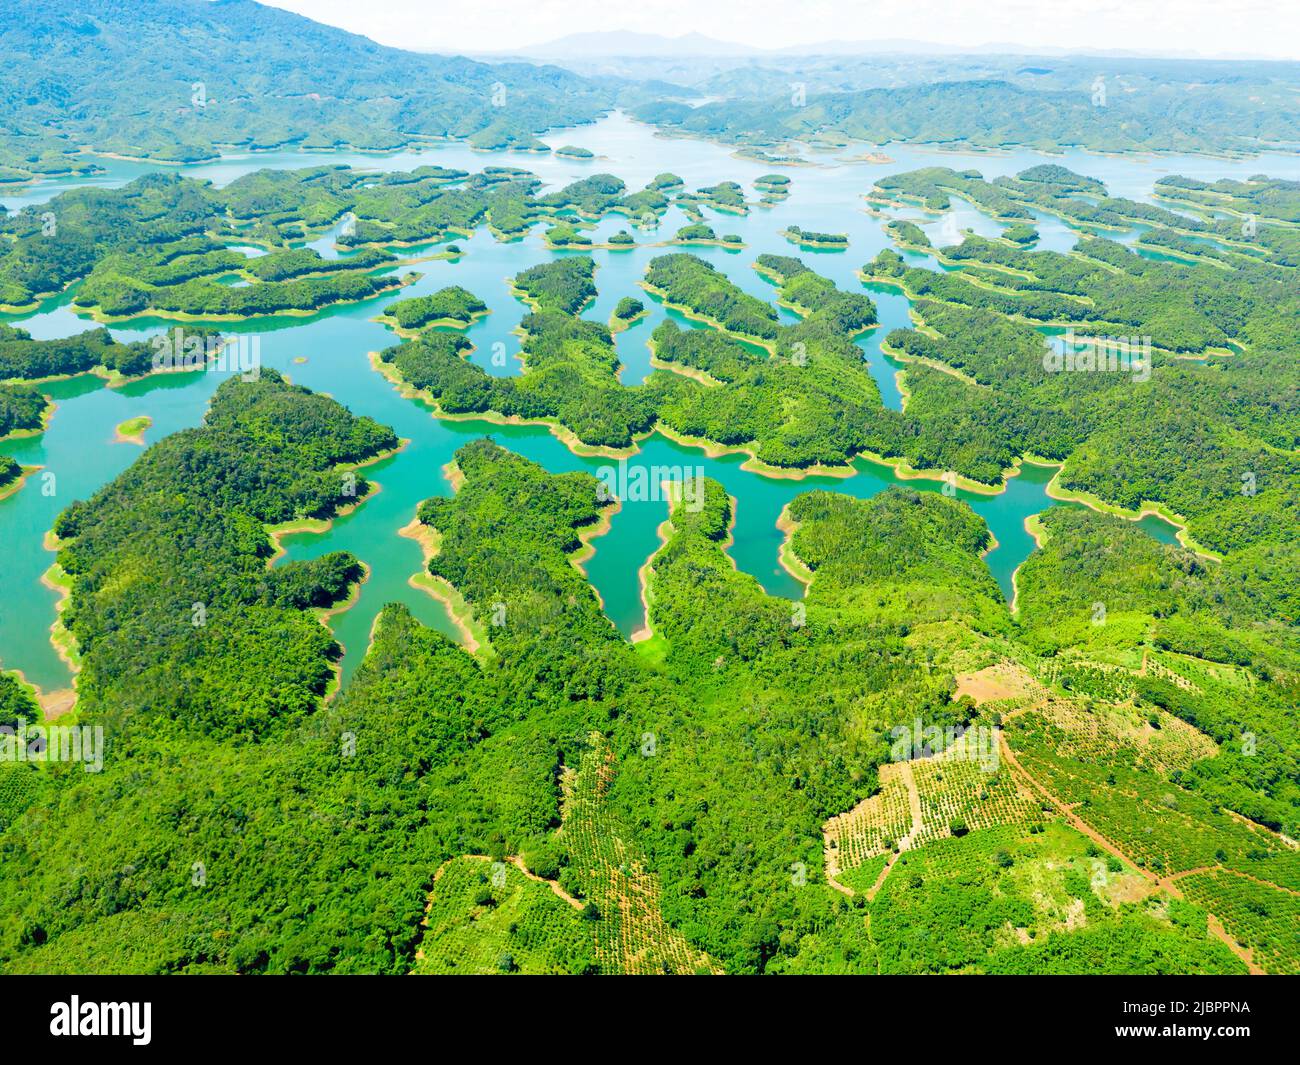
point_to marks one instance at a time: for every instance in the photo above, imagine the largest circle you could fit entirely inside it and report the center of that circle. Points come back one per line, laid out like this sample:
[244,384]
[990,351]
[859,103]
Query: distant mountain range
[628,44]
[178,80]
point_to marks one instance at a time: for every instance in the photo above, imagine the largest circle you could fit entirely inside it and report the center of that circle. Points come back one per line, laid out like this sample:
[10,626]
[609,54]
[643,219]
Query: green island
[561,592]
[94,351]
[908,235]
[688,281]
[1020,233]
[23,410]
[775,188]
[12,475]
[699,233]
[566,285]
[566,236]
[132,430]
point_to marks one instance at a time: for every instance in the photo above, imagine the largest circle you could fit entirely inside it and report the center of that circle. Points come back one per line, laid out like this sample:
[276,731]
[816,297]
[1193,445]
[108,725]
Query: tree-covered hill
[990,113]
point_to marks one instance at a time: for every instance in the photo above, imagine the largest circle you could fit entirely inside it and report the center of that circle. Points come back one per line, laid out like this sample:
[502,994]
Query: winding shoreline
[473,634]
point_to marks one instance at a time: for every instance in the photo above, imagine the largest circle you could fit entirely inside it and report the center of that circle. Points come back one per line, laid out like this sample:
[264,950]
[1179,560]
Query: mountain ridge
[190,78]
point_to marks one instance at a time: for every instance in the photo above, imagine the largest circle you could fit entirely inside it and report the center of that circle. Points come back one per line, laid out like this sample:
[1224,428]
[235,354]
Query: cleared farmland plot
[1121,735]
[919,802]
[872,828]
[631,934]
[487,917]
[960,794]
[1261,918]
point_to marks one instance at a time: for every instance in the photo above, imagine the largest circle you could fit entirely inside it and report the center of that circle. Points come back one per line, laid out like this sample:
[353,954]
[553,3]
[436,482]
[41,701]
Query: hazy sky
[1211,27]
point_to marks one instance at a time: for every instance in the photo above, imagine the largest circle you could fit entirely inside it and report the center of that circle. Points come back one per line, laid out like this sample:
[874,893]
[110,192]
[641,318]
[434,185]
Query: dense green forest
[21,409]
[688,281]
[451,305]
[547,749]
[1192,434]
[95,350]
[1270,198]
[268,454]
[565,285]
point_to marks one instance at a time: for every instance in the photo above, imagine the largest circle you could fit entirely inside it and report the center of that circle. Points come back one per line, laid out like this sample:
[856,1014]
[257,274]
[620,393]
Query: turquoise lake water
[329,353]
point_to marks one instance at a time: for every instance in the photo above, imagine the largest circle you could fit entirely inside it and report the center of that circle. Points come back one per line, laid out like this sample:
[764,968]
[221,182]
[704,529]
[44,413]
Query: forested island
[169,246]
[700,233]
[94,351]
[452,306]
[774,187]
[376,705]
[22,410]
[628,311]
